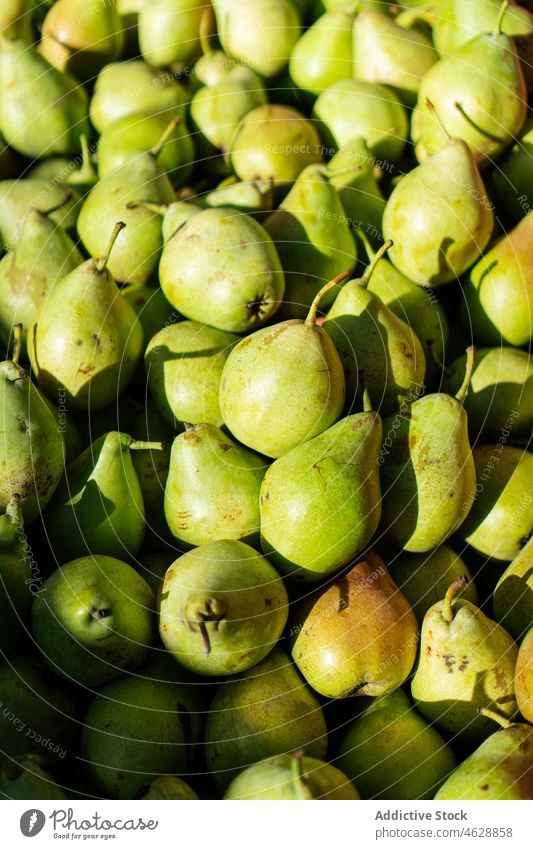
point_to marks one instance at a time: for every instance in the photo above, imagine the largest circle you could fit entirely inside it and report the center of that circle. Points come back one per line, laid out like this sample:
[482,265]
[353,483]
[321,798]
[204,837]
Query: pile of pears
[266,395]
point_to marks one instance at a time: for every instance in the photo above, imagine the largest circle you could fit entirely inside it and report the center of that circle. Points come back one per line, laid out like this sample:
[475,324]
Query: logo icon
[32,822]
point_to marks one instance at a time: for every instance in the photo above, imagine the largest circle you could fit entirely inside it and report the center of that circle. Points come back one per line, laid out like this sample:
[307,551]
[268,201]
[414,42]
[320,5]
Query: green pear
[466,663]
[284,384]
[17,197]
[86,341]
[39,712]
[512,181]
[43,254]
[390,752]
[352,171]
[424,578]
[169,787]
[213,486]
[42,111]
[28,777]
[498,291]
[222,608]
[116,197]
[387,53]
[500,522]
[151,307]
[371,337]
[313,239]
[176,214]
[81,36]
[275,142]
[98,506]
[67,426]
[151,467]
[499,769]
[323,55]
[77,174]
[524,677]
[184,363]
[255,198]
[320,502]
[413,305]
[464,21]
[291,777]
[15,577]
[133,88]
[140,726]
[261,34]
[502,382]
[427,470]
[169,31]
[439,217]
[357,636]
[140,133]
[357,109]
[32,452]
[234,252]
[266,711]
[465,88]
[16,18]
[512,600]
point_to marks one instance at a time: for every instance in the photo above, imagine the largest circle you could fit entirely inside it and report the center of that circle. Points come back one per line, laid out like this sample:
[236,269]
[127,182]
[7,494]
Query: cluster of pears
[266,475]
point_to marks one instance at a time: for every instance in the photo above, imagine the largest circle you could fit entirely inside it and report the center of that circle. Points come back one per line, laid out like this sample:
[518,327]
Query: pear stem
[139,445]
[497,717]
[63,202]
[463,389]
[451,593]
[311,317]
[17,343]
[369,250]
[340,172]
[501,15]
[365,279]
[188,426]
[438,119]
[158,208]
[303,791]
[155,151]
[205,637]
[102,262]
[470,121]
[367,403]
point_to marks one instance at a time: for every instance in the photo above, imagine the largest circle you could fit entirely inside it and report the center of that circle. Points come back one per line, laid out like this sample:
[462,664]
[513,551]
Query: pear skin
[291,777]
[28,778]
[524,677]
[15,578]
[323,55]
[169,31]
[512,599]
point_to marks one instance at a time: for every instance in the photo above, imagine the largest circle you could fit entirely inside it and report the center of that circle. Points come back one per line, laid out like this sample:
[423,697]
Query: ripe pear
[16,18]
[498,291]
[169,787]
[284,384]
[371,337]
[221,268]
[255,198]
[424,578]
[291,777]
[275,142]
[428,476]
[323,55]
[169,31]
[39,712]
[32,448]
[17,197]
[524,677]
[151,467]
[313,239]
[466,663]
[28,777]
[42,111]
[93,619]
[133,88]
[140,726]
[265,711]
[439,217]
[512,600]
[357,109]
[502,382]
[87,340]
[222,608]
[357,636]
[499,769]
[184,363]
[500,522]
[320,502]
[463,21]
[512,181]
[465,88]
[43,254]
[387,53]
[213,486]
[81,36]
[260,34]
[140,133]
[352,171]
[390,752]
[98,506]
[15,577]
